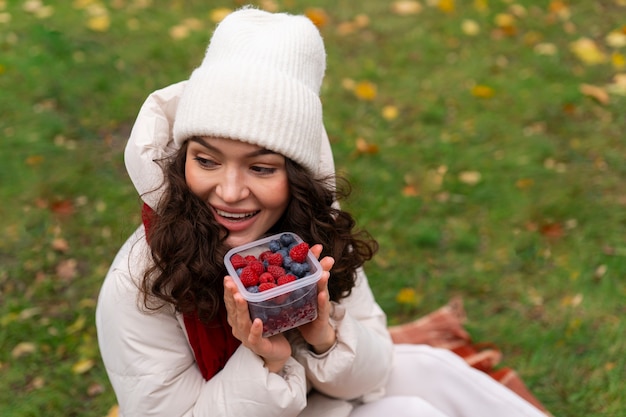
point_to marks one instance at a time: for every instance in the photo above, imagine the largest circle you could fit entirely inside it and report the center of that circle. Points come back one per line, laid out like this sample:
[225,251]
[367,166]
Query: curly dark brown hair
[188,245]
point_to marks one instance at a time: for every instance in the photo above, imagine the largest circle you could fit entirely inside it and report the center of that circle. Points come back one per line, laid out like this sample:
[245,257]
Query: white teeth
[234,215]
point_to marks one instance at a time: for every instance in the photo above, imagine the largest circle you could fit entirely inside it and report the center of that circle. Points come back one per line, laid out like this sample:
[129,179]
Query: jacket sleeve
[358,366]
[152,369]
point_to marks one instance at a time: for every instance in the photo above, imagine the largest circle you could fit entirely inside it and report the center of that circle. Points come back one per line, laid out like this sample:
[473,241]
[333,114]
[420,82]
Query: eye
[205,163]
[262,170]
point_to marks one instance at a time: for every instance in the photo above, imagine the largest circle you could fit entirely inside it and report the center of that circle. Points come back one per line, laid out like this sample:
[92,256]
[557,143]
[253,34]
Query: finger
[323,296]
[322,283]
[316,250]
[241,305]
[327,263]
[229,290]
[256,332]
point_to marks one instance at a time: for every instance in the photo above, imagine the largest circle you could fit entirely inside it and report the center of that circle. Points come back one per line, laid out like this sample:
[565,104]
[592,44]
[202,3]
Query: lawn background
[484,140]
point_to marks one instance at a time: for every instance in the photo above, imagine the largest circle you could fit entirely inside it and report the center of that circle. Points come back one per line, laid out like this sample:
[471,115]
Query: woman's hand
[274,350]
[319,333]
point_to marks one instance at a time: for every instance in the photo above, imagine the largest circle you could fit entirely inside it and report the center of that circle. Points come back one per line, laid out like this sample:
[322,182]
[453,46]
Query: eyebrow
[259,152]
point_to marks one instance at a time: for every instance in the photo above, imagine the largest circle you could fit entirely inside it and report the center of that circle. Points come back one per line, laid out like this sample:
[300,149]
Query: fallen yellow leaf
[82,4]
[481,5]
[346,28]
[406,8]
[365,90]
[36,383]
[390,112]
[113,412]
[595,92]
[60,245]
[67,269]
[361,21]
[587,51]
[482,91]
[366,148]
[217,15]
[559,9]
[95,389]
[410,191]
[470,177]
[34,160]
[470,27]
[600,271]
[318,16]
[616,39]
[532,38]
[618,60]
[446,6]
[269,5]
[504,19]
[179,32]
[545,49]
[518,10]
[572,300]
[506,24]
[23,348]
[99,23]
[348,84]
[408,296]
[618,87]
[77,326]
[524,183]
[82,366]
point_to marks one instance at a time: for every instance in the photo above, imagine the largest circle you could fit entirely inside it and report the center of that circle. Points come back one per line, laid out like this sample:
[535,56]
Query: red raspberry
[237,261]
[250,258]
[285,279]
[276,271]
[248,277]
[266,277]
[266,286]
[299,252]
[257,266]
[275,259]
[264,255]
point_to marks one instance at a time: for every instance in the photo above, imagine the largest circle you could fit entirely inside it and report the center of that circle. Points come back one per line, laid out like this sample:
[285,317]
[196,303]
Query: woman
[235,153]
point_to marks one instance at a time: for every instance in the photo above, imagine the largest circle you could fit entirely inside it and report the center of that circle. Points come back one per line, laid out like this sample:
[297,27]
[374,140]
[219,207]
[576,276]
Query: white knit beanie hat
[259,83]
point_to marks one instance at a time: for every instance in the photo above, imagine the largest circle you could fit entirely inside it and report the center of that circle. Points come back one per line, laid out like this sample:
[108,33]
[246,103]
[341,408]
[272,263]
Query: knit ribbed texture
[259,83]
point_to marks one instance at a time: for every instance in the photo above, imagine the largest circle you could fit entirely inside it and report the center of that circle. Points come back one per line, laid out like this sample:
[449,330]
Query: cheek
[278,196]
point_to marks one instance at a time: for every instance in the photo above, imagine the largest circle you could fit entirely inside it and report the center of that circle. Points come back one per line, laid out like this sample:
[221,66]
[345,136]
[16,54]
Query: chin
[238,240]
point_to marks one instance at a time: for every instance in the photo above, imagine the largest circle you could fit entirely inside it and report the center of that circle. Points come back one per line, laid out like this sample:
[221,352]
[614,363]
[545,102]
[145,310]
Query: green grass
[536,247]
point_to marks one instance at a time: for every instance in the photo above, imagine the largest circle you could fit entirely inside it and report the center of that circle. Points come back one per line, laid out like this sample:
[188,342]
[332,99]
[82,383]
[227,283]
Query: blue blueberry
[274,245]
[298,269]
[287,239]
[287,261]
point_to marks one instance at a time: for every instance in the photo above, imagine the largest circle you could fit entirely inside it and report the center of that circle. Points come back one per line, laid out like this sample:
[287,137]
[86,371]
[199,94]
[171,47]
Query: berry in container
[277,276]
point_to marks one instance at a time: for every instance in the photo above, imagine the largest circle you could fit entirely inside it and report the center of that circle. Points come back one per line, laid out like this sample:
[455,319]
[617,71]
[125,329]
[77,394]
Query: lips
[232,216]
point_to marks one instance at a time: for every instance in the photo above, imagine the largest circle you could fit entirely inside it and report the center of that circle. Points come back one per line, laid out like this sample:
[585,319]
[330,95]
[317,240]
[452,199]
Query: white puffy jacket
[148,357]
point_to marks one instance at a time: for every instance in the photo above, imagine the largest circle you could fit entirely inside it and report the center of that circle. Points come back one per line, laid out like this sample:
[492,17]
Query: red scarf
[212,343]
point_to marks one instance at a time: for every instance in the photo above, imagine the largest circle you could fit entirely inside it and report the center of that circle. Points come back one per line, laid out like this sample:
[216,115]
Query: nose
[232,186]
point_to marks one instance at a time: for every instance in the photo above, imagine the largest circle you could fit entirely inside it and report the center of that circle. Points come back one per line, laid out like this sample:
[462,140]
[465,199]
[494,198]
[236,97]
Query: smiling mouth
[235,216]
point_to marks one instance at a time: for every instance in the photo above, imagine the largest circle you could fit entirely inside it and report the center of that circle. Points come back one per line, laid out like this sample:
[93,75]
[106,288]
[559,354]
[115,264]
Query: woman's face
[245,185]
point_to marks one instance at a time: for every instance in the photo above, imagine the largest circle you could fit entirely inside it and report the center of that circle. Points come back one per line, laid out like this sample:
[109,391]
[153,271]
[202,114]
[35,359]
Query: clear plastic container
[285,306]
